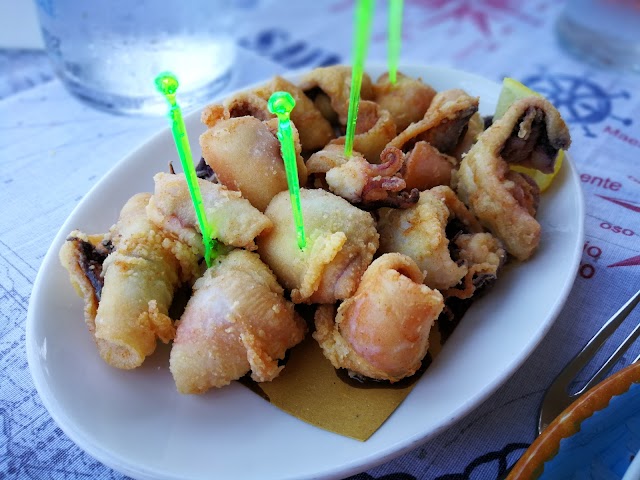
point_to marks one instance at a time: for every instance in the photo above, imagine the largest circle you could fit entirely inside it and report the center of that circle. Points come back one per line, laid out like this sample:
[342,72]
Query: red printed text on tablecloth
[613,216]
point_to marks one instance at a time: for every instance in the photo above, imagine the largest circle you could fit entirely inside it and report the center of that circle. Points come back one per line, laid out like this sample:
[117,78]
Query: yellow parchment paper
[311,389]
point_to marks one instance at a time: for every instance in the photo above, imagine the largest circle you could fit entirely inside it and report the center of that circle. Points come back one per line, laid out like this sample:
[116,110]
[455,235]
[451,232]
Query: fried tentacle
[363,183]
[484,254]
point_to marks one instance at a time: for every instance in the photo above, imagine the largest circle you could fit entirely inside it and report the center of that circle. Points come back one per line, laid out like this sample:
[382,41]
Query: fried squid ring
[330,89]
[420,233]
[140,279]
[382,332]
[530,133]
[331,156]
[374,130]
[235,221]
[474,128]
[244,153]
[407,100]
[236,321]
[315,130]
[444,124]
[83,256]
[341,241]
[425,167]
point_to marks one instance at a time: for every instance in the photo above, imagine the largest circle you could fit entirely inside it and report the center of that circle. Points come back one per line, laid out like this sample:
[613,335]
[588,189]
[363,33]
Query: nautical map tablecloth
[53,149]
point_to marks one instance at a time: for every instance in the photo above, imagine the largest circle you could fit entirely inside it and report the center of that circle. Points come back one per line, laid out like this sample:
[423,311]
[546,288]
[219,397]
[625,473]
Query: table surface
[54,148]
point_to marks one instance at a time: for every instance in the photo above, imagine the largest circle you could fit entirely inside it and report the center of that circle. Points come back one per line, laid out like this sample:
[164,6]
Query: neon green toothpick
[364,15]
[395,38]
[167,84]
[281,103]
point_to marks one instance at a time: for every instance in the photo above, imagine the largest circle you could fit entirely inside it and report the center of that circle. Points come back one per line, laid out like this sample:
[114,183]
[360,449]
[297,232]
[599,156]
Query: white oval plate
[136,422]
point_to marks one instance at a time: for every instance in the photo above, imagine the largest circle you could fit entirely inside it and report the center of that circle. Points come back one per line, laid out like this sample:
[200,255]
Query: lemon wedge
[513,90]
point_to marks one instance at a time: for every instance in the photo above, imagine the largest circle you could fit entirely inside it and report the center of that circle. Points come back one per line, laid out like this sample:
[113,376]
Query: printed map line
[623,203]
[629,262]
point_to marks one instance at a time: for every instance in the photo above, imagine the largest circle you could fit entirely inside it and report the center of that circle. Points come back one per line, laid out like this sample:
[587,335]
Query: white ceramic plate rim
[327,455]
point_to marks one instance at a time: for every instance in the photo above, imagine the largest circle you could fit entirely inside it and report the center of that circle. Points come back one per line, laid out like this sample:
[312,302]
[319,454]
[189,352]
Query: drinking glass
[108,52]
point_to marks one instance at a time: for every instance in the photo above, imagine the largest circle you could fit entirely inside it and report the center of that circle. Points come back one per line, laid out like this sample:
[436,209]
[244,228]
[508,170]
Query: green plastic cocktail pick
[364,15]
[281,103]
[167,84]
[395,38]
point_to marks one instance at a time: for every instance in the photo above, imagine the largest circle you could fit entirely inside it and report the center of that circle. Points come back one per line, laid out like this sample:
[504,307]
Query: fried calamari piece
[382,332]
[474,128]
[484,254]
[530,134]
[331,156]
[420,233]
[425,167]
[315,130]
[244,153]
[236,321]
[407,100]
[140,279]
[360,182]
[83,256]
[341,241]
[235,221]
[330,88]
[444,124]
[374,130]
[457,209]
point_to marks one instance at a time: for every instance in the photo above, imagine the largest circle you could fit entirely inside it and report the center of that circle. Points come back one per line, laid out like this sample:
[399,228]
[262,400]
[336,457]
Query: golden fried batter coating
[236,321]
[315,130]
[407,100]
[362,182]
[341,241]
[474,128]
[382,332]
[425,167]
[331,156]
[244,153]
[234,220]
[419,232]
[374,130]
[530,133]
[484,255]
[457,209]
[140,279]
[444,124]
[330,88]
